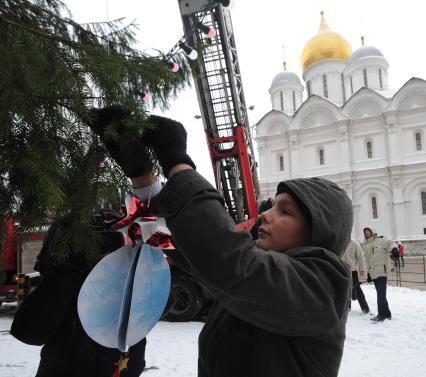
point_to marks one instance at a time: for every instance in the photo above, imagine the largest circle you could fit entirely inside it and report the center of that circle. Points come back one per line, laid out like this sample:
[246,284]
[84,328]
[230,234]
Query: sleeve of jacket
[41,313]
[360,257]
[366,256]
[299,293]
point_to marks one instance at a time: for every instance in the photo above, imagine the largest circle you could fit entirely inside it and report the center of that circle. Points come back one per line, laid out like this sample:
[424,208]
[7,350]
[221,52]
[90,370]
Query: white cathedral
[351,129]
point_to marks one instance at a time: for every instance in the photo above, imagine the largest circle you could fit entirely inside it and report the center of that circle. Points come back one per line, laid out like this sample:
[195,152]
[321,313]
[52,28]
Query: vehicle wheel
[188,300]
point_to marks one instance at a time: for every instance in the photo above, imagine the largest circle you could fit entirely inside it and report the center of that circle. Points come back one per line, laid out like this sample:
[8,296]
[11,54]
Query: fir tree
[52,72]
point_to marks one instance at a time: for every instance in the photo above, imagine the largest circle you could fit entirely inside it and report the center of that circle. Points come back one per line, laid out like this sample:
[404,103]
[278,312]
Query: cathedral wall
[408,127]
[310,161]
[372,186]
[373,77]
[361,159]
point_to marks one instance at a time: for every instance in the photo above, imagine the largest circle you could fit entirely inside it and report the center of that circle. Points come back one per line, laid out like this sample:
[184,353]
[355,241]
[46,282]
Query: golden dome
[326,45]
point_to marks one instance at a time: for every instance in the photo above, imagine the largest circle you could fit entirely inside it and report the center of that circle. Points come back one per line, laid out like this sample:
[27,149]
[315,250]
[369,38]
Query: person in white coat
[354,257]
[377,255]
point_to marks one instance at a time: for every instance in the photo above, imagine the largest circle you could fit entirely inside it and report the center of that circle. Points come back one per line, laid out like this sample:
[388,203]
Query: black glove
[369,279]
[168,139]
[127,149]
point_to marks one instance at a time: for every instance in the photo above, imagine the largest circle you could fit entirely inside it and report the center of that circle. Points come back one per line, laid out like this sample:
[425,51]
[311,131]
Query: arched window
[369,149]
[380,79]
[321,156]
[282,101]
[364,73]
[418,141]
[294,101]
[324,82]
[281,161]
[423,195]
[342,79]
[374,207]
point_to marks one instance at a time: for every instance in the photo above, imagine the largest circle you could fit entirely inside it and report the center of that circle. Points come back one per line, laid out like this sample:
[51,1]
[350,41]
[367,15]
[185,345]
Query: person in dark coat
[395,258]
[48,316]
[264,206]
[282,302]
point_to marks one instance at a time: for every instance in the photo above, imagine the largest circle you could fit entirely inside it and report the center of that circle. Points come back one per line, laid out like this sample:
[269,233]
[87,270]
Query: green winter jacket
[277,314]
[377,255]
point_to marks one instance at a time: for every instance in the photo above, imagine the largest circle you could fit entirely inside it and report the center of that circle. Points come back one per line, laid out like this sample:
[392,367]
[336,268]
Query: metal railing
[411,271]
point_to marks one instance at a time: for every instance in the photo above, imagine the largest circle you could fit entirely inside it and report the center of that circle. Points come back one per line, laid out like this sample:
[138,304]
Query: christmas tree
[53,70]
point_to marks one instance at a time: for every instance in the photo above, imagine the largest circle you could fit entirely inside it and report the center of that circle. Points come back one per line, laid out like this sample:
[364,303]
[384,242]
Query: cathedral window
[282,101]
[324,83]
[343,88]
[321,156]
[374,207]
[281,160]
[369,149]
[352,84]
[423,196]
[380,79]
[364,72]
[418,141]
[308,86]
[294,101]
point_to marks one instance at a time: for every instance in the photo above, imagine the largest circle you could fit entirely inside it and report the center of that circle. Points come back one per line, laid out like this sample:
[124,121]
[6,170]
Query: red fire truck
[17,259]
[222,104]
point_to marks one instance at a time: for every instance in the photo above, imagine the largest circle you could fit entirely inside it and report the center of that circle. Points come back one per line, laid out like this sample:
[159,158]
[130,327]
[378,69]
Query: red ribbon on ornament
[137,209]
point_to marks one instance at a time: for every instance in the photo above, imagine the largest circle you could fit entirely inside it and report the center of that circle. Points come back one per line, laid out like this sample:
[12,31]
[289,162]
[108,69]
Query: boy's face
[283,226]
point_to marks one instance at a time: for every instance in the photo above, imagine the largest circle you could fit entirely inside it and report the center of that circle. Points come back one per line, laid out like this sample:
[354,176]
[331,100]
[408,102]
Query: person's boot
[379,318]
[364,306]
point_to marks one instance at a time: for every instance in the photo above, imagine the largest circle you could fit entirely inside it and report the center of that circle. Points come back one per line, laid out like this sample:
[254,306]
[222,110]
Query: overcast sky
[261,28]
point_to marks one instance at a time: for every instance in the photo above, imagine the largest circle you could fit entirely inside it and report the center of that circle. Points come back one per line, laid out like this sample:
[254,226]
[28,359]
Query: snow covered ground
[395,348]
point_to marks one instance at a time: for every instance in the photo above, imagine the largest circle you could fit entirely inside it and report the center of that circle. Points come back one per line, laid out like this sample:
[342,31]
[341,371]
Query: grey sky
[261,28]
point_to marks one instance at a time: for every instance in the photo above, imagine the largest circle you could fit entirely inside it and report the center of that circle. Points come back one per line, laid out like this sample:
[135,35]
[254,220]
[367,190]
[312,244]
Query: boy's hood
[330,209]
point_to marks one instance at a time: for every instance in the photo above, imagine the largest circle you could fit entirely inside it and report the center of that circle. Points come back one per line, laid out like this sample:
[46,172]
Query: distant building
[353,130]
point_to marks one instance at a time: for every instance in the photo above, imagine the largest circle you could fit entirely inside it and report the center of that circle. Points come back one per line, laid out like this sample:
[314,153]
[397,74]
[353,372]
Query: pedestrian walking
[377,256]
[401,250]
[354,257]
[395,257]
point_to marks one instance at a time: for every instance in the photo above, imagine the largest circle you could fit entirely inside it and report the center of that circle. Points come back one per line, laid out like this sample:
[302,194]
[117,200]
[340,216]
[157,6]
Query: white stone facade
[373,145]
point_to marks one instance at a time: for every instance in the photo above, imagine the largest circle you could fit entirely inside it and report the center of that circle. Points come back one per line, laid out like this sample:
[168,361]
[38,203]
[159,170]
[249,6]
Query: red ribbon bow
[138,209]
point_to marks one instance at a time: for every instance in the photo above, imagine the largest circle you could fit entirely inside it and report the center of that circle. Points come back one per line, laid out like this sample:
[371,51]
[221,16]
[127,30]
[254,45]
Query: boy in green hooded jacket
[281,302]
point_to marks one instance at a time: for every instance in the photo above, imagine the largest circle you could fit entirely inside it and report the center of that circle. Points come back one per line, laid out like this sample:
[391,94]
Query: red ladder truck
[223,109]
[17,277]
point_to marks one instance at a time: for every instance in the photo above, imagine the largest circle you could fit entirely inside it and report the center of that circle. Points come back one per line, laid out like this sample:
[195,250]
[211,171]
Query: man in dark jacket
[282,303]
[48,316]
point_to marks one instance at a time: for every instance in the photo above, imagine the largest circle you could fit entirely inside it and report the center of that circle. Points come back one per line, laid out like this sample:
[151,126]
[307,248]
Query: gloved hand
[168,139]
[369,279]
[126,148]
